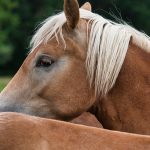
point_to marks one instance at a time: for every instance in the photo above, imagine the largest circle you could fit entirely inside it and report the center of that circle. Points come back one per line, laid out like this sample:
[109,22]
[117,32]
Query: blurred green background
[18,19]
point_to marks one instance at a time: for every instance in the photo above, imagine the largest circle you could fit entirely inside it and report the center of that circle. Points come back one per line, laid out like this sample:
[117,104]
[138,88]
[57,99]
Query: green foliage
[8,21]
[3,82]
[137,13]
[5,53]
[18,19]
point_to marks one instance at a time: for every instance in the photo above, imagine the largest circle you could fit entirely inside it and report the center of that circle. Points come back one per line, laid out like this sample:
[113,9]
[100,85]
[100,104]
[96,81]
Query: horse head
[52,82]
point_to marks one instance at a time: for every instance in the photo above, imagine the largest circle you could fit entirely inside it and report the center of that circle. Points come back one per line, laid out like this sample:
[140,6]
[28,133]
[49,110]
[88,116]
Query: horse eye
[44,61]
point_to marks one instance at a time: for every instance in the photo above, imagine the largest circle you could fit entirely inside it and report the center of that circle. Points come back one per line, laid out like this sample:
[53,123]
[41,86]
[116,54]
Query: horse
[80,61]
[87,119]
[24,132]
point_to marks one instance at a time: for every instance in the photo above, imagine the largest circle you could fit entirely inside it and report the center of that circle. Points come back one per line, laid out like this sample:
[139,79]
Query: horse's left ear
[71,9]
[87,6]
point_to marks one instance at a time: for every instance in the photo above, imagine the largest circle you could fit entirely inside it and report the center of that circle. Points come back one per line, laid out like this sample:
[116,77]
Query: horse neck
[130,92]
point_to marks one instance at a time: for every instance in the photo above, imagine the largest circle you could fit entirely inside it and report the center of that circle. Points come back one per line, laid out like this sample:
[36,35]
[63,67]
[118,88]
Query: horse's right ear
[71,9]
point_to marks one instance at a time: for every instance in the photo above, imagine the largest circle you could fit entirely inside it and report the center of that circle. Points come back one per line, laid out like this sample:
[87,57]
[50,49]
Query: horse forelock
[108,44]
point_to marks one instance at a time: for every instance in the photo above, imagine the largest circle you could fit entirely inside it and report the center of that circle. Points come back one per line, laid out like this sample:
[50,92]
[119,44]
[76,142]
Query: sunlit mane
[108,44]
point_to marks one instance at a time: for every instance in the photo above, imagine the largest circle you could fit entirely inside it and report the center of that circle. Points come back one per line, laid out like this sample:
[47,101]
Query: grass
[3,82]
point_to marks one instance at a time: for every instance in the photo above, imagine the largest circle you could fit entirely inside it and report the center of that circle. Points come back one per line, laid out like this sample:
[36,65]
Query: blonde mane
[108,44]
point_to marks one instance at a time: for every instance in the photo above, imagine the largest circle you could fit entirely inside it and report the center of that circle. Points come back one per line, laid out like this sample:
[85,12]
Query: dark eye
[44,61]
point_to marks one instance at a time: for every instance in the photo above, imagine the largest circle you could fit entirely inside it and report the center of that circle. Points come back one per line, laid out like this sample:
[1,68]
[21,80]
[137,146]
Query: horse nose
[8,104]
[8,108]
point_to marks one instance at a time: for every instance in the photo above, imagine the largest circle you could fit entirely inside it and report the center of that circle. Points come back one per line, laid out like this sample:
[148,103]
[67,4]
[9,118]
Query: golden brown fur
[22,132]
[71,10]
[126,107]
[63,91]
[87,119]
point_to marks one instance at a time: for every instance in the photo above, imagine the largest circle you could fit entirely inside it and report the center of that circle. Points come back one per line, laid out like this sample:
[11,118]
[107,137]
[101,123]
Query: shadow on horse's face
[52,80]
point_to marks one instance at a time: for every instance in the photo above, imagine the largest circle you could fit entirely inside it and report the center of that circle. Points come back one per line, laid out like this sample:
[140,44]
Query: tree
[17,24]
[18,19]
[8,21]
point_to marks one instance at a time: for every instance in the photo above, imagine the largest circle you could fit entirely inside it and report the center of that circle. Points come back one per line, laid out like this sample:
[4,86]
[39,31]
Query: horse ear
[87,6]
[71,9]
